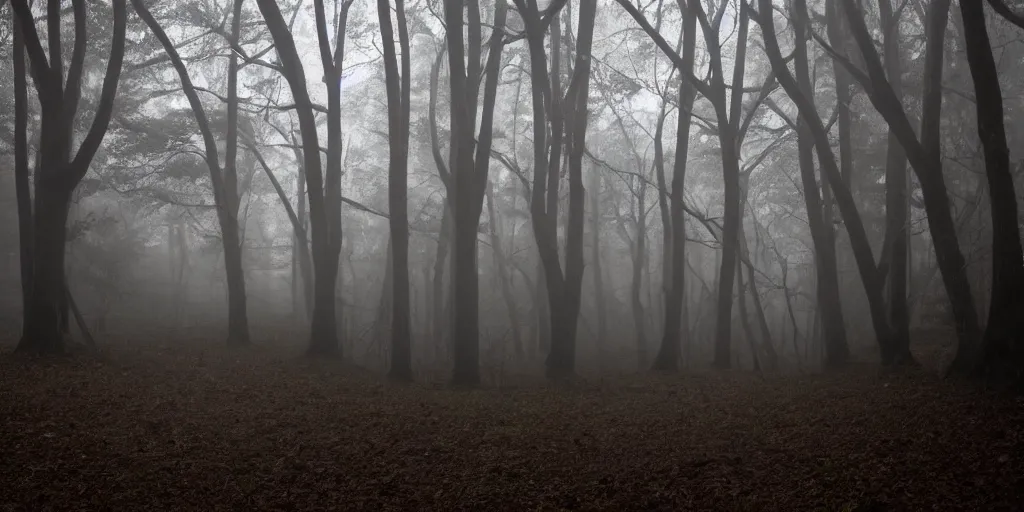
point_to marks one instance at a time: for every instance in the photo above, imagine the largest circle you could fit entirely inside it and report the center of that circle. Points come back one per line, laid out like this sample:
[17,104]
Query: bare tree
[60,168]
[925,157]
[1002,353]
[468,179]
[397,86]
[225,181]
[668,355]
[324,188]
[829,302]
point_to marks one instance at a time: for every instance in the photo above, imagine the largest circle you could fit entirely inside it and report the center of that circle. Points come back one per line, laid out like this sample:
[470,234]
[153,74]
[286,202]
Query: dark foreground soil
[185,429]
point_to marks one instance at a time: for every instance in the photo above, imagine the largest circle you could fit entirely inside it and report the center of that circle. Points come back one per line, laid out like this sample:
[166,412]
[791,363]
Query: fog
[554,191]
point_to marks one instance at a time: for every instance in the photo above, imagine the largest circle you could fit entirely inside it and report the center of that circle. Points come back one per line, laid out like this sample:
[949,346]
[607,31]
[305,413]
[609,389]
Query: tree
[896,199]
[668,355]
[925,157]
[398,201]
[468,178]
[60,169]
[570,112]
[829,303]
[224,180]
[870,274]
[1002,351]
[324,189]
[21,173]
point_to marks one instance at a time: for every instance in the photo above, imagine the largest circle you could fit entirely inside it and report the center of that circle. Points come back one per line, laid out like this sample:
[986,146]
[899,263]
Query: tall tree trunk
[398,142]
[21,174]
[595,258]
[438,318]
[639,258]
[324,189]
[869,272]
[503,274]
[469,171]
[60,169]
[766,345]
[382,324]
[238,323]
[544,198]
[224,181]
[668,355]
[748,330]
[563,356]
[663,199]
[895,201]
[542,311]
[829,302]
[302,218]
[1002,350]
[324,328]
[838,37]
[844,93]
[924,156]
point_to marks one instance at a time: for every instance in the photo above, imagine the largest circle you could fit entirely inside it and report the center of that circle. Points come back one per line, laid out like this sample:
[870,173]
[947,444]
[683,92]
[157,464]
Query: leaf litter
[137,428]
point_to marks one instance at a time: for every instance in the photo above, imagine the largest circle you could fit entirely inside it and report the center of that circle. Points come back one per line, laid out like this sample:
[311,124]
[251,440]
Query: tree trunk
[44,333]
[870,275]
[324,194]
[59,172]
[382,324]
[599,298]
[898,352]
[438,318]
[748,331]
[503,274]
[469,172]
[305,261]
[668,355]
[924,156]
[639,257]
[829,302]
[666,218]
[1002,350]
[21,175]
[398,141]
[238,324]
[542,310]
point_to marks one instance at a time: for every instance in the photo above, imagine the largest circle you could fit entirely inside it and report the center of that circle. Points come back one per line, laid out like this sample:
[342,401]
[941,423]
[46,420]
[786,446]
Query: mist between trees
[463,189]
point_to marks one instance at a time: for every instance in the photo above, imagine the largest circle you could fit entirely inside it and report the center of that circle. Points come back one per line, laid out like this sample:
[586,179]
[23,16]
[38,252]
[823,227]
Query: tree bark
[595,258]
[898,352]
[469,171]
[438,318]
[1002,350]
[925,157]
[668,355]
[728,128]
[829,301]
[503,274]
[324,194]
[224,181]
[60,172]
[870,275]
[397,86]
[21,174]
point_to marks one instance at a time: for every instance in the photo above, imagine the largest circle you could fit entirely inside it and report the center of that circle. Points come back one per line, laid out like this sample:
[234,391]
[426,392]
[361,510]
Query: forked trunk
[44,334]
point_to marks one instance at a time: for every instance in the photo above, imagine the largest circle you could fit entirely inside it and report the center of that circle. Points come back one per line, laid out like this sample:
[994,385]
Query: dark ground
[188,429]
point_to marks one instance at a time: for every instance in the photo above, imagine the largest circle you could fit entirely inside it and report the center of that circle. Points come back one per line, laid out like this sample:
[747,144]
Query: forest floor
[151,428]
